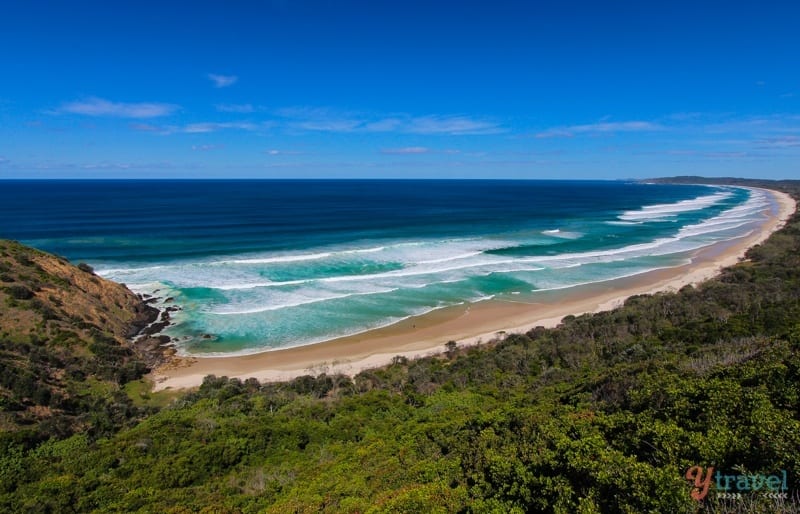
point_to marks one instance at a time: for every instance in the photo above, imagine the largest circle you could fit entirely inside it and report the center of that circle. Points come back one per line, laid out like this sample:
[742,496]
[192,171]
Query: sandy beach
[467,325]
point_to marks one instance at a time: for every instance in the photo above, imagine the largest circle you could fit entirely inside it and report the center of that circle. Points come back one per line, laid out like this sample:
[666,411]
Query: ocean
[260,265]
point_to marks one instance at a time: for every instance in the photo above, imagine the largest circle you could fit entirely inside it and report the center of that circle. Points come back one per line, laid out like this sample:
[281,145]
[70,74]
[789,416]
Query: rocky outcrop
[66,341]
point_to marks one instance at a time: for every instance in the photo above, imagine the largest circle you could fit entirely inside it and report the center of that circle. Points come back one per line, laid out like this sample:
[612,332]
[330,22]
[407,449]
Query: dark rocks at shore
[155,328]
[144,315]
[155,350]
[149,349]
[160,321]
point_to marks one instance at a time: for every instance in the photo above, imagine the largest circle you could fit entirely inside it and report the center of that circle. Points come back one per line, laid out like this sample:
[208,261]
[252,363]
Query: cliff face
[64,339]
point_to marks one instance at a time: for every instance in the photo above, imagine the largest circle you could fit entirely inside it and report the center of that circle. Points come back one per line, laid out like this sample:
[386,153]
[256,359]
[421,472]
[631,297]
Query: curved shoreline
[471,324]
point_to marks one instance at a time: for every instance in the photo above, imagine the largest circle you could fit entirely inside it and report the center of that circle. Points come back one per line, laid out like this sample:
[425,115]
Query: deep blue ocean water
[268,264]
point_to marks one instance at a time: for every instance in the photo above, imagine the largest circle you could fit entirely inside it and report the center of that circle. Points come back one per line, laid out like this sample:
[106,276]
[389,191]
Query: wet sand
[467,325]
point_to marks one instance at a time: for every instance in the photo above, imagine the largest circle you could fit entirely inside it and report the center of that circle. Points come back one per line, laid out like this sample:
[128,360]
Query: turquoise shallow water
[268,264]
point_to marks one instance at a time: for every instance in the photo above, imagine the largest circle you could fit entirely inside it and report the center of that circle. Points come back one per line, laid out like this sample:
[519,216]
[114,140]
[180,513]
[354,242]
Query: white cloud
[710,155]
[453,125]
[685,116]
[780,142]
[101,165]
[408,150]
[328,125]
[195,128]
[282,152]
[200,127]
[105,165]
[145,127]
[601,128]
[384,125]
[100,107]
[237,108]
[222,80]
[205,148]
[325,120]
[772,124]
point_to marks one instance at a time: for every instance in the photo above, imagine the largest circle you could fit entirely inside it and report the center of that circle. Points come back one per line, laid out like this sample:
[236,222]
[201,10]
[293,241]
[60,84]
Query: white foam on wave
[126,271]
[568,266]
[668,210]
[711,228]
[144,287]
[270,259]
[301,256]
[562,234]
[615,276]
[681,242]
[448,259]
[386,322]
[411,271]
[254,285]
[365,250]
[182,350]
[282,258]
[730,219]
[517,269]
[266,308]
[624,223]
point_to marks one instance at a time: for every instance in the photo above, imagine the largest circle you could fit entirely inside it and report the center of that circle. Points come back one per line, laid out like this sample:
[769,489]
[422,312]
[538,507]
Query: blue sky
[469,89]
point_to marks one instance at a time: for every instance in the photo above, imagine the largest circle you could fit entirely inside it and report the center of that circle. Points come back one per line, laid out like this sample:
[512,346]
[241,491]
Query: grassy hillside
[603,414]
[64,350]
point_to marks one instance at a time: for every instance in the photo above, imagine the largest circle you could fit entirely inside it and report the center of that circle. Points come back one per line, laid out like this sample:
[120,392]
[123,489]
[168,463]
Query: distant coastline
[467,325]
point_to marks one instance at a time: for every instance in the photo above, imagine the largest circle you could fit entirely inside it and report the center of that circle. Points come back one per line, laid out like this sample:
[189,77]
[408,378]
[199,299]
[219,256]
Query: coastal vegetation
[605,413]
[64,351]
